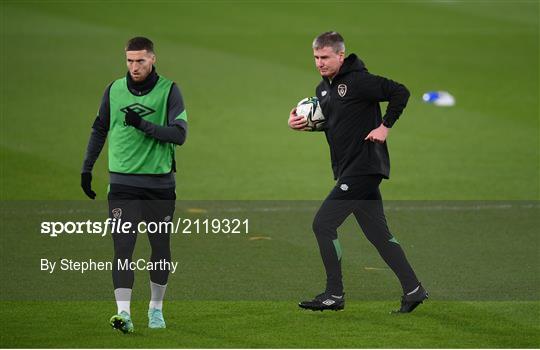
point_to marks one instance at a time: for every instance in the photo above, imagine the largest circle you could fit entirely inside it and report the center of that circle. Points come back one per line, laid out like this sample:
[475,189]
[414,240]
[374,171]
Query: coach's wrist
[386,124]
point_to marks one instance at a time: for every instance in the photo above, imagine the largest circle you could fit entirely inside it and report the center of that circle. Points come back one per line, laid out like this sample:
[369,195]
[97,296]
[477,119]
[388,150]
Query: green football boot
[122,322]
[155,318]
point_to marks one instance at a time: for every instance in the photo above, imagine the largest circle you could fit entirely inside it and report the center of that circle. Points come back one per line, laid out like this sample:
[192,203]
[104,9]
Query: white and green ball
[310,109]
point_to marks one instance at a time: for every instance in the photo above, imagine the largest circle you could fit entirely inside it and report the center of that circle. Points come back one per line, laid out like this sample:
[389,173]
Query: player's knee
[320,228]
[161,248]
[123,250]
[161,255]
[379,237]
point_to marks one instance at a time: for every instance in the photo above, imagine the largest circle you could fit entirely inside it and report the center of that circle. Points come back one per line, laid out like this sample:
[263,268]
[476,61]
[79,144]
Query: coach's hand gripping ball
[310,109]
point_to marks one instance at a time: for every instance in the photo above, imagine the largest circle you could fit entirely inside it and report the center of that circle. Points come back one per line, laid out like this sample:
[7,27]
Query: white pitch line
[376,268]
[387,207]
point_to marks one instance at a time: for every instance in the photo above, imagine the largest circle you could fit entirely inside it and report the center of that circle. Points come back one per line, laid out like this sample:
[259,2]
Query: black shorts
[135,204]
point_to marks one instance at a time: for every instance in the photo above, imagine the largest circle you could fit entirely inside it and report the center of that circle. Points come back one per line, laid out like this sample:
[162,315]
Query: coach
[356,133]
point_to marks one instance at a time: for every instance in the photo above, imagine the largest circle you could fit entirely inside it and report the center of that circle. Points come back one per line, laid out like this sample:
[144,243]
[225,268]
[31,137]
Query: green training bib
[131,151]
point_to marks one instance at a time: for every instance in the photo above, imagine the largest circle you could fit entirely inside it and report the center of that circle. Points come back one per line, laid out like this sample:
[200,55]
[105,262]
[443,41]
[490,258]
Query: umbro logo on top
[138,108]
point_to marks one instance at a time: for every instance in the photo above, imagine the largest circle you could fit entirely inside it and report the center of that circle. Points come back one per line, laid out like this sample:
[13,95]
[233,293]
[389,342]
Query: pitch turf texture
[241,66]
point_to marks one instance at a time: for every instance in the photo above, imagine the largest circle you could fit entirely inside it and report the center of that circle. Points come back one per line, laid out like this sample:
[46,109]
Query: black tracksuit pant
[361,197]
[134,205]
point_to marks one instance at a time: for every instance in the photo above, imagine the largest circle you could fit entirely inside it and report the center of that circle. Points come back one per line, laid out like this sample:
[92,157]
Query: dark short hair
[329,39]
[140,43]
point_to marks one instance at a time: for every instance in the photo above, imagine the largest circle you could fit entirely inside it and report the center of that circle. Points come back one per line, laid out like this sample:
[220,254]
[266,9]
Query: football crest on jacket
[342,89]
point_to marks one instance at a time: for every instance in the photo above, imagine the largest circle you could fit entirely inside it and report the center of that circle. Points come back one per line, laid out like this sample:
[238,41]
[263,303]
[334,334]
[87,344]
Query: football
[310,109]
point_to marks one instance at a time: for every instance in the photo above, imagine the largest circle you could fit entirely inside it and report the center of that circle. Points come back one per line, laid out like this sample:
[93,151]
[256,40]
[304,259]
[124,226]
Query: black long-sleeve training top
[350,103]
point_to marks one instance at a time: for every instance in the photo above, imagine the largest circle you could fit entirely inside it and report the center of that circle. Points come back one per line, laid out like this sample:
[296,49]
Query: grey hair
[329,39]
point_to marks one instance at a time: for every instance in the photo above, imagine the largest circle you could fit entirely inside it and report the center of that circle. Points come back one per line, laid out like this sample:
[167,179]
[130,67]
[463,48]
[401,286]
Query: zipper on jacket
[332,151]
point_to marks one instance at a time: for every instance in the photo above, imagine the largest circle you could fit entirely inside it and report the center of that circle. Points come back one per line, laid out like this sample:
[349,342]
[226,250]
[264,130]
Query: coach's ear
[341,57]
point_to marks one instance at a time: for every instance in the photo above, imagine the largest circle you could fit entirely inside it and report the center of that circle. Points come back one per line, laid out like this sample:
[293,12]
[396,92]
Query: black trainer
[324,301]
[411,300]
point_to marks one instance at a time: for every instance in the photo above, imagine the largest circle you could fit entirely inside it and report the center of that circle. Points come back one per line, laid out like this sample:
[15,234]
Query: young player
[144,118]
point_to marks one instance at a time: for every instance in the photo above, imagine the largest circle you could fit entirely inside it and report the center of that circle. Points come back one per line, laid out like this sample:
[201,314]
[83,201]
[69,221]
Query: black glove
[133,118]
[86,184]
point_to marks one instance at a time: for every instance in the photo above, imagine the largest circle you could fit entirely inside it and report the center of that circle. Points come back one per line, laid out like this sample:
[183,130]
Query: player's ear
[150,56]
[341,56]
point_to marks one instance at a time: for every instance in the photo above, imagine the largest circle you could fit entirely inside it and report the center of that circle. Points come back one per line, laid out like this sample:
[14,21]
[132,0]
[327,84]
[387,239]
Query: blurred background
[242,66]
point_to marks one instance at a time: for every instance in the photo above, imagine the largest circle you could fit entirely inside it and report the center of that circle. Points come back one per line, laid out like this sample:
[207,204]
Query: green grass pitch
[241,67]
[264,324]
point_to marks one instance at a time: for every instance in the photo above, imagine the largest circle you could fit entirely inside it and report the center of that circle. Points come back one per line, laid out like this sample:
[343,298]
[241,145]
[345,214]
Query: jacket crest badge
[342,89]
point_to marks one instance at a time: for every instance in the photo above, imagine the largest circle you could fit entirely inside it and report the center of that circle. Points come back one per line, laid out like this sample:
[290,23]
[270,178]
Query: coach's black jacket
[350,103]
